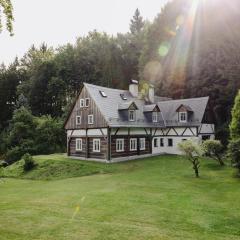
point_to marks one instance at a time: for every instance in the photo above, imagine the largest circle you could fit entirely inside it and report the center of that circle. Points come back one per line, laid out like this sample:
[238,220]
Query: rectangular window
[155,117]
[132,115]
[155,142]
[183,116]
[78,120]
[87,101]
[119,145]
[170,142]
[142,144]
[82,103]
[78,144]
[133,144]
[90,119]
[162,142]
[96,145]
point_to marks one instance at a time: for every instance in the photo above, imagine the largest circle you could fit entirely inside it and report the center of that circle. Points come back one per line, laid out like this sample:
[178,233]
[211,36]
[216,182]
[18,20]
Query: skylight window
[103,94]
[123,97]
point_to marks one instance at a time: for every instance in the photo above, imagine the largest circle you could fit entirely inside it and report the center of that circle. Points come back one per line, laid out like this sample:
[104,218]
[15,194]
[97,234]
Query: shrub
[192,152]
[213,149]
[28,162]
[14,154]
[234,153]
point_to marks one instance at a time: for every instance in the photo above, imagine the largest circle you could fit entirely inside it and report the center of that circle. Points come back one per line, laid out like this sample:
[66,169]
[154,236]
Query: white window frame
[133,112]
[154,117]
[78,122]
[180,117]
[155,140]
[96,145]
[82,103]
[120,145]
[87,99]
[142,143]
[90,116]
[78,146]
[133,147]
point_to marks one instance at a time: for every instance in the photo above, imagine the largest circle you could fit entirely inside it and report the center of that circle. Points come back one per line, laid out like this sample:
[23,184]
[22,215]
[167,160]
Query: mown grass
[155,198]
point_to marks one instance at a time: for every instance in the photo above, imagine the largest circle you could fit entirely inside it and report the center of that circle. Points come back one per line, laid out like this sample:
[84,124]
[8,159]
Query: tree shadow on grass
[214,166]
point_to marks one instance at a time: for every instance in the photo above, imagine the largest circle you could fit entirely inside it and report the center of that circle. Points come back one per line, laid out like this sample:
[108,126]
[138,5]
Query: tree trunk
[196,172]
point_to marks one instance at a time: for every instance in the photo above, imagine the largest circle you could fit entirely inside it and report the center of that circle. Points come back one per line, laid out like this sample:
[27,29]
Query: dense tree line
[186,52]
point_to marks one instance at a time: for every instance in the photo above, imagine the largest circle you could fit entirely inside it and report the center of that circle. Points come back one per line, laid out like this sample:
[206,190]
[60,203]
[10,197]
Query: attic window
[103,94]
[123,97]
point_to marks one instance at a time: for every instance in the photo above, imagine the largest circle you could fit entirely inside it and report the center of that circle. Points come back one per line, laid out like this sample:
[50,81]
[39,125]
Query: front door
[156,145]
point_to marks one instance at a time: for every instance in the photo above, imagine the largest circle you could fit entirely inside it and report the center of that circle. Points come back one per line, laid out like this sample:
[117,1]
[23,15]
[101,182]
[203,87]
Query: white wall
[174,149]
[90,132]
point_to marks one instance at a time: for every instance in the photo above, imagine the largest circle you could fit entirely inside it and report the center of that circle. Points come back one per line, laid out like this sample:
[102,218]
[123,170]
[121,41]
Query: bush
[192,152]
[14,154]
[234,153]
[213,149]
[28,162]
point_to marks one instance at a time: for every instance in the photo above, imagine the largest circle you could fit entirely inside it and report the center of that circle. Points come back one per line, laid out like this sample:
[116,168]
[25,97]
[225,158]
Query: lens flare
[164,49]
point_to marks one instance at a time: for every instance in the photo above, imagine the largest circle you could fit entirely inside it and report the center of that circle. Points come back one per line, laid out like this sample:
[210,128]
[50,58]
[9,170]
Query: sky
[57,22]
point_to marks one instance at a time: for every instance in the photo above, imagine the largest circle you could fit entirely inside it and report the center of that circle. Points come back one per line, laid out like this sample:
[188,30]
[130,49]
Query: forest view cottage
[113,125]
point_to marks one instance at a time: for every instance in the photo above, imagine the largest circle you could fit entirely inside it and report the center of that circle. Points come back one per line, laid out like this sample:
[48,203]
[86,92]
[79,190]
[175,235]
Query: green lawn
[156,198]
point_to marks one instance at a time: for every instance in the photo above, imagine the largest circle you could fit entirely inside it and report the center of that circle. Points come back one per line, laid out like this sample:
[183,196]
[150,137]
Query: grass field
[156,198]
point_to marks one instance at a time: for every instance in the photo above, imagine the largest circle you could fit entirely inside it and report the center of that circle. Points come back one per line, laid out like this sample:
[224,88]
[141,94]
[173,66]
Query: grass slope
[56,166]
[156,198]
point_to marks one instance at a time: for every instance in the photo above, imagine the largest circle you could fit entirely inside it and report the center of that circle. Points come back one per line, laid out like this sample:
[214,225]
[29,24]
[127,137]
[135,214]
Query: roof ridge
[186,99]
[97,86]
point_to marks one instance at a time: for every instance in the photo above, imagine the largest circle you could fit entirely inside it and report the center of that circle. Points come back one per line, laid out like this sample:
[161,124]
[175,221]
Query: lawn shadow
[214,166]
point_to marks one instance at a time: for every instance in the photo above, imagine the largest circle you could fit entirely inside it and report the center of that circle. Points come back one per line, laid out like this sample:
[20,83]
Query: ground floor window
[162,142]
[78,144]
[155,142]
[205,137]
[96,145]
[120,145]
[142,144]
[133,144]
[170,142]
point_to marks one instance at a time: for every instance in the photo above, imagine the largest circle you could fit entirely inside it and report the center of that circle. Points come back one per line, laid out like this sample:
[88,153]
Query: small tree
[234,153]
[28,162]
[213,149]
[192,152]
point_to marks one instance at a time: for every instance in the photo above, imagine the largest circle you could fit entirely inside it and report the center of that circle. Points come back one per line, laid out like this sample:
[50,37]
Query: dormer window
[183,117]
[132,115]
[155,117]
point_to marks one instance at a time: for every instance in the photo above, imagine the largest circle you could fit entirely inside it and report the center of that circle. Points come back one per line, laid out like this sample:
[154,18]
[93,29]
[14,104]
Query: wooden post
[109,145]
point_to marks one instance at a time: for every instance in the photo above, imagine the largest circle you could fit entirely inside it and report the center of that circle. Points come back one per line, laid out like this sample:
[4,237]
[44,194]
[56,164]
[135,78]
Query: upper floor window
[155,117]
[78,144]
[119,145]
[132,115]
[182,116]
[78,120]
[87,101]
[142,143]
[90,119]
[96,145]
[82,103]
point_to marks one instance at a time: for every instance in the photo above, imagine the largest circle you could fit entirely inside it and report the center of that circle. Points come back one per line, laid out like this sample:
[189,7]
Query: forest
[186,51]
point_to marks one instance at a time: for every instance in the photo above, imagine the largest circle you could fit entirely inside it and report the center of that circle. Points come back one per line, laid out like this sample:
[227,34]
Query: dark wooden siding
[127,152]
[89,154]
[99,120]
